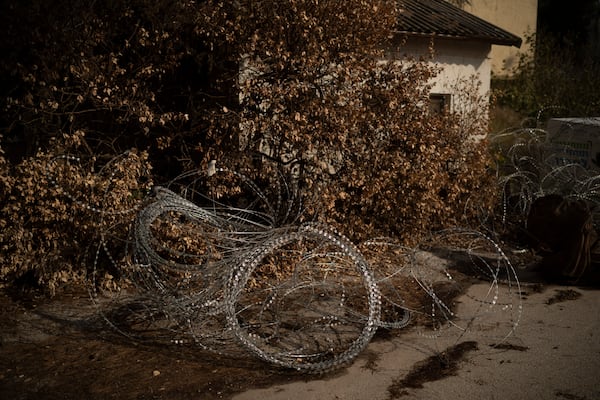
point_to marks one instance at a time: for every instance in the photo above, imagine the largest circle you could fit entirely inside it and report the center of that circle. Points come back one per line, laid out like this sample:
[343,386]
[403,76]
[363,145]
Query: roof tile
[442,19]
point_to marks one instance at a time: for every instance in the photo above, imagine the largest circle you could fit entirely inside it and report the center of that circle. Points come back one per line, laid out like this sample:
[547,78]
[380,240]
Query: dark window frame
[440,103]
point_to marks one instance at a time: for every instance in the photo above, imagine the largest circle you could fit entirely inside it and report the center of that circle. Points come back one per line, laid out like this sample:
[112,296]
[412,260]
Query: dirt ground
[62,349]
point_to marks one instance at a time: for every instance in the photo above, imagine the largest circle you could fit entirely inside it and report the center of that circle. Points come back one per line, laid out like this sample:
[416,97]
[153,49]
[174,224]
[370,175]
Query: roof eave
[516,41]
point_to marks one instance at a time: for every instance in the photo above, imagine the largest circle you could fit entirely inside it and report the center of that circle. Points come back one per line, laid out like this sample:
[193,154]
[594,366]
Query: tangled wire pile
[230,270]
[552,187]
[534,166]
[436,273]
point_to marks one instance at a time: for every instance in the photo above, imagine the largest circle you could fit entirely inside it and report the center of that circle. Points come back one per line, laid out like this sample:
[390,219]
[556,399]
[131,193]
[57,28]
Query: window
[439,103]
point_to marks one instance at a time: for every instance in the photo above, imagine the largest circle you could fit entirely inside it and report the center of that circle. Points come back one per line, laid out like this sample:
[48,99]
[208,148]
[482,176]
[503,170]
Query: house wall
[457,60]
[518,17]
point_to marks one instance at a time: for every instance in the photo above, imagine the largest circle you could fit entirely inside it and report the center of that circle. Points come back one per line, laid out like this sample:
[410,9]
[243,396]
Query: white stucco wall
[518,17]
[456,59]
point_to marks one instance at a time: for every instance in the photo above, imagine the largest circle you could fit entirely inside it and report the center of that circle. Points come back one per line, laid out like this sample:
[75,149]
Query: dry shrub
[95,79]
[144,74]
[55,215]
[373,160]
[187,82]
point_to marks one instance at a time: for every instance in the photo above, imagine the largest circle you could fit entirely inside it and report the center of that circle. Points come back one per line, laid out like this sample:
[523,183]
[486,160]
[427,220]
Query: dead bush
[57,213]
[187,82]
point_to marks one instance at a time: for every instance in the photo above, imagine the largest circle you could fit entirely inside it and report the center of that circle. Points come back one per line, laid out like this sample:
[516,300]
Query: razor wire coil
[299,296]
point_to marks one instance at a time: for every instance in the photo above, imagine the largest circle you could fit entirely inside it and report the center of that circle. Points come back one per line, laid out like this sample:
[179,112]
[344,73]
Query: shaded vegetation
[166,87]
[554,79]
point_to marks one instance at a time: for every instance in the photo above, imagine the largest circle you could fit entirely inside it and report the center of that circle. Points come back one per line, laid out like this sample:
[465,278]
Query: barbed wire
[216,261]
[534,165]
[439,273]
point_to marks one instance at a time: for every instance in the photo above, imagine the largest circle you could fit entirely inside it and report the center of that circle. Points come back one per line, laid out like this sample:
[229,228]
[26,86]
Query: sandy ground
[57,350]
[554,354]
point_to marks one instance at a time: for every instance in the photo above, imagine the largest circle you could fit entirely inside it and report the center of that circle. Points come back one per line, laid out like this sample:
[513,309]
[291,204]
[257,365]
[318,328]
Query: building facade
[462,48]
[516,16]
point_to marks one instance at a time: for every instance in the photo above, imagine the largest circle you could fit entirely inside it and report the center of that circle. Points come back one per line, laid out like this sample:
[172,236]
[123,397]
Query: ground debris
[434,368]
[509,346]
[563,295]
